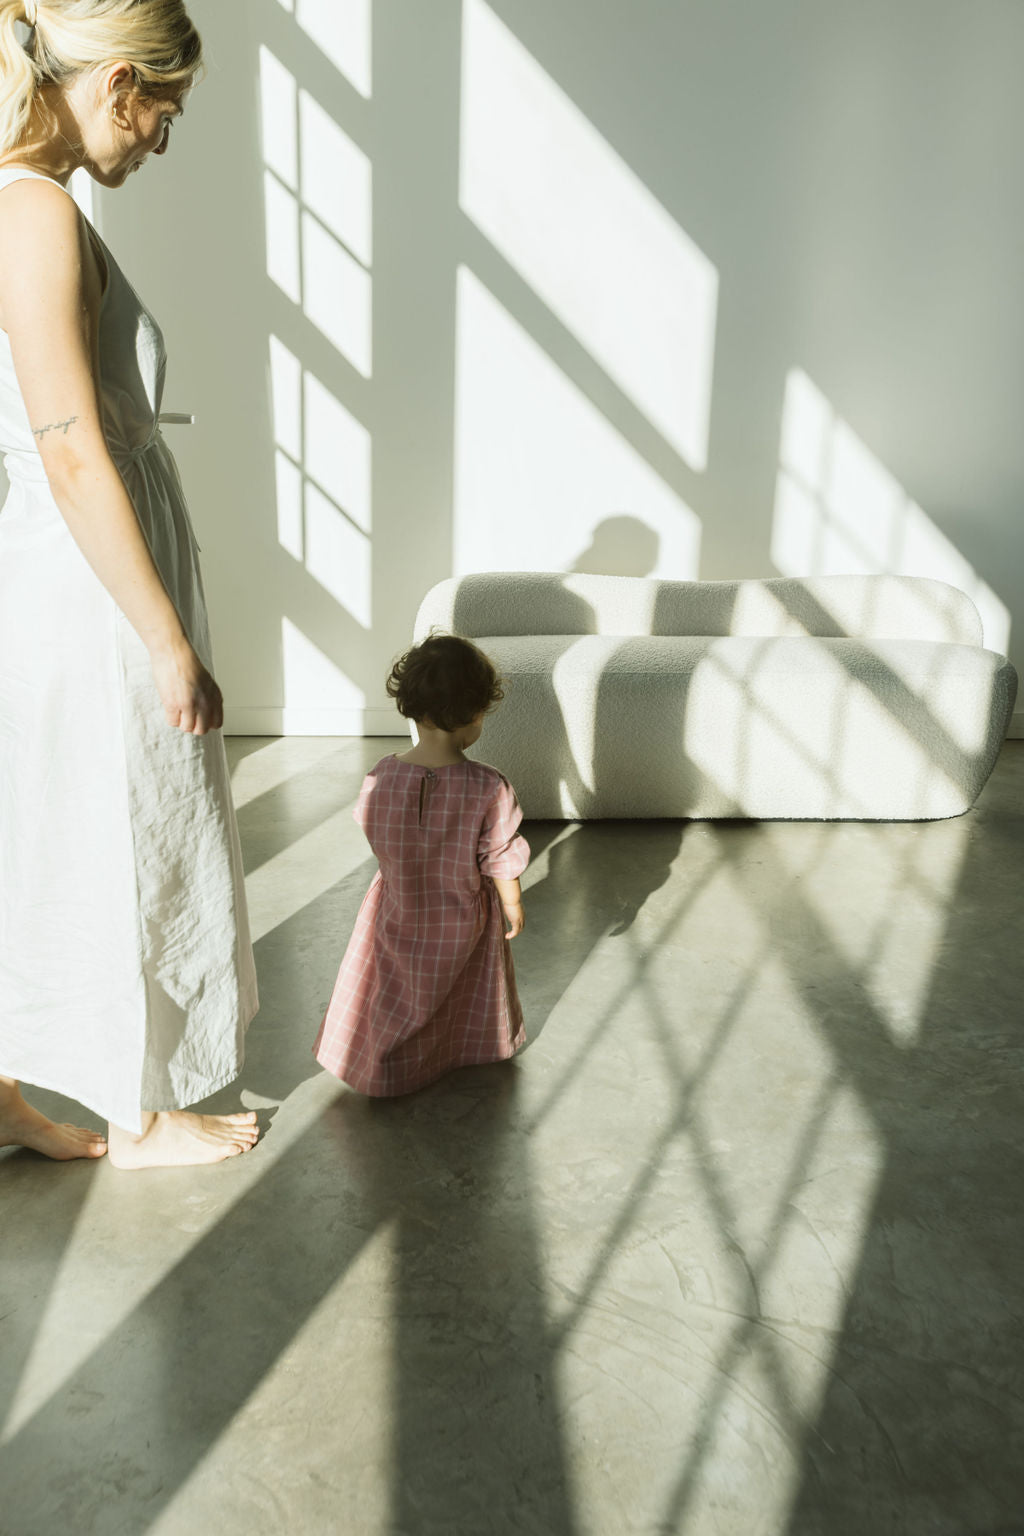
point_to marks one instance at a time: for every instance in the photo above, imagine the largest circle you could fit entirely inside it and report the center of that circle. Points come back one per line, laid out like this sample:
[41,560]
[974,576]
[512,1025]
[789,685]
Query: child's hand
[513,911]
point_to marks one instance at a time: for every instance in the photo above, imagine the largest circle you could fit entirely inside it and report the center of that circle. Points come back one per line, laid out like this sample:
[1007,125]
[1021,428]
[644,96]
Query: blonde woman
[126,973]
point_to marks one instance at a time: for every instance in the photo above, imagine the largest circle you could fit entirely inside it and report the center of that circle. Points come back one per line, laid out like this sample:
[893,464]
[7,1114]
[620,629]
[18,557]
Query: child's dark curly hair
[446,680]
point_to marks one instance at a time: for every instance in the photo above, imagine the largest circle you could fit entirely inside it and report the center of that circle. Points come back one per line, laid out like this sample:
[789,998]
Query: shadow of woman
[477,1429]
[40,1205]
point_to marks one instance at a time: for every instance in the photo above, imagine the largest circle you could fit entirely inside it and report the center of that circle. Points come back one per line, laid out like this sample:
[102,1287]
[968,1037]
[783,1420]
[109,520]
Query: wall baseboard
[260,720]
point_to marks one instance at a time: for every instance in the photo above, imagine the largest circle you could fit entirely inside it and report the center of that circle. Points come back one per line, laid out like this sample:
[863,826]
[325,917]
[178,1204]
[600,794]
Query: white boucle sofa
[835,697]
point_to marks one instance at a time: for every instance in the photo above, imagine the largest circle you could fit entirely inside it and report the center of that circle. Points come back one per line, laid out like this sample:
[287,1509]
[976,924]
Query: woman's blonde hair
[67,37]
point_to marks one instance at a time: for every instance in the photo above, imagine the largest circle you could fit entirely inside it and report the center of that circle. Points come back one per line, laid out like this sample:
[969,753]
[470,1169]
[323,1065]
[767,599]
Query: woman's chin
[116,176]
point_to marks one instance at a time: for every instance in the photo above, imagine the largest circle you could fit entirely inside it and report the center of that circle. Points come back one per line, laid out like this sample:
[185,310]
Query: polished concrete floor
[735,1248]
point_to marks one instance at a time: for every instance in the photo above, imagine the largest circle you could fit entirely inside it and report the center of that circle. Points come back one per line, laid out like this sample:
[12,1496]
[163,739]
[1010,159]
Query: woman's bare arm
[50,292]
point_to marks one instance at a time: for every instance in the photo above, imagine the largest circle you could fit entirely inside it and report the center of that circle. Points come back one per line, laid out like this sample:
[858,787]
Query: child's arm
[511,897]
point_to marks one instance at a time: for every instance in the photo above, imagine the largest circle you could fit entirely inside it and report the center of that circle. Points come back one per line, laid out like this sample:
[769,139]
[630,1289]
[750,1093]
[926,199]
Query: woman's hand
[191,699]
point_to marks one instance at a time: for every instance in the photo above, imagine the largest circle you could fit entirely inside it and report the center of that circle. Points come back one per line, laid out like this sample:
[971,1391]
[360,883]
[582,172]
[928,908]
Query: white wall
[722,288]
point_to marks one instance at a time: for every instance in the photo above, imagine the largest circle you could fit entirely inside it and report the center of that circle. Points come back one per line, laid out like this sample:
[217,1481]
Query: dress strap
[9,174]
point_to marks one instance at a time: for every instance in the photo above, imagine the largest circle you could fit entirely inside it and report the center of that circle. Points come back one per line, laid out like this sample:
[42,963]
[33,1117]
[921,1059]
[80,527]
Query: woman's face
[127,128]
[151,128]
[141,128]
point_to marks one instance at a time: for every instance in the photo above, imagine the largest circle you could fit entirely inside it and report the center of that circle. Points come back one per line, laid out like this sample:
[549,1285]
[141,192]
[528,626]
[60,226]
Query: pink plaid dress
[427,983]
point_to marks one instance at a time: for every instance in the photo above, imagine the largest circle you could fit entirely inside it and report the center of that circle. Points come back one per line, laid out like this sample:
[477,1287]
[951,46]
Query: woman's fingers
[192,701]
[210,713]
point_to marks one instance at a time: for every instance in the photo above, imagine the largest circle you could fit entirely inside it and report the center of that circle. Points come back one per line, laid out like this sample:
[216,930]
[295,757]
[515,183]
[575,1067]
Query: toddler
[427,983]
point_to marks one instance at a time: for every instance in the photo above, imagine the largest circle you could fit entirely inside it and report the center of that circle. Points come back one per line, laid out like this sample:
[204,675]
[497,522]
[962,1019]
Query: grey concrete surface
[733,1249]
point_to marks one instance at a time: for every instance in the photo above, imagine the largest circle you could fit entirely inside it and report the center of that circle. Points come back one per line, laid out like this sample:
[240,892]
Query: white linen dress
[126,971]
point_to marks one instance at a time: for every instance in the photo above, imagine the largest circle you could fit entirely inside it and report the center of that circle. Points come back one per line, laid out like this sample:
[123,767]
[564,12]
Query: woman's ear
[116,85]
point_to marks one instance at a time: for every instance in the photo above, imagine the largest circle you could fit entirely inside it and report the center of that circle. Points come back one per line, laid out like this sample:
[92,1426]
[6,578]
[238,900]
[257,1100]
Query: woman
[126,972]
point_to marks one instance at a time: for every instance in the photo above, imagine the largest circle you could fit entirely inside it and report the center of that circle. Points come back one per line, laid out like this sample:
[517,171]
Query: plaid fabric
[427,982]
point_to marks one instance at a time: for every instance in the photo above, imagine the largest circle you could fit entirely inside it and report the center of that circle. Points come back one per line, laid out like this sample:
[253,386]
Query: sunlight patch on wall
[337,452]
[586,234]
[323,461]
[337,295]
[838,509]
[343,31]
[318,192]
[279,118]
[312,681]
[336,178]
[538,469]
[283,243]
[337,555]
[290,519]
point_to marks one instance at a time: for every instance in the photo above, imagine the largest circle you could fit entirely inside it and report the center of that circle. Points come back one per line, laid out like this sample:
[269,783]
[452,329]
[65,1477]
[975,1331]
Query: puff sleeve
[501,852]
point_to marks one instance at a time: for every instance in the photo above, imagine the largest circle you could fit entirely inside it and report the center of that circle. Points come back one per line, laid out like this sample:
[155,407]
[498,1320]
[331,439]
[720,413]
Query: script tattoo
[55,426]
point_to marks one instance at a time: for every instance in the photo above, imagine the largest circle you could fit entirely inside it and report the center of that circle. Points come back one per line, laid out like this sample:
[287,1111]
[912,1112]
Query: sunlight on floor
[732,1280]
[81,1289]
[295,1393]
[693,1163]
[274,762]
[305,870]
[694,1307]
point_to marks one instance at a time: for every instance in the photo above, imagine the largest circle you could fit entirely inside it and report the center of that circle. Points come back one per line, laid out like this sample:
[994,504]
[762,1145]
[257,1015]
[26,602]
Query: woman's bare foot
[175,1138]
[23,1126]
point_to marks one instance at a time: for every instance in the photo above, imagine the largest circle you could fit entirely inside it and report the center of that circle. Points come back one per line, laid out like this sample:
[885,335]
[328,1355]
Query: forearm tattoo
[55,426]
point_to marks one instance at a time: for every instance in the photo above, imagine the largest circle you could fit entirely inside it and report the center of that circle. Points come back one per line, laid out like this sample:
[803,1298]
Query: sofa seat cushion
[716,726]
